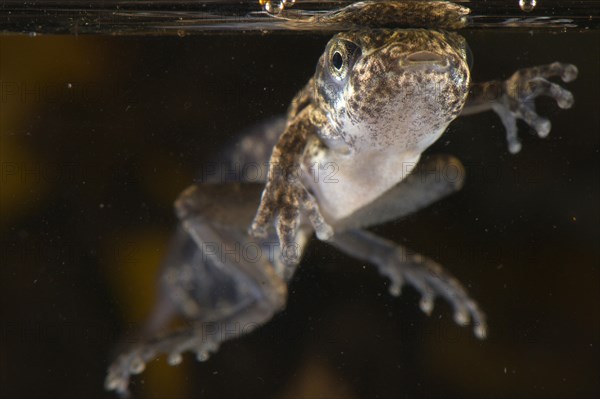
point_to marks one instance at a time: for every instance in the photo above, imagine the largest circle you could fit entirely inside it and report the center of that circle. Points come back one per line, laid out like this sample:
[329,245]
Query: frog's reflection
[344,158]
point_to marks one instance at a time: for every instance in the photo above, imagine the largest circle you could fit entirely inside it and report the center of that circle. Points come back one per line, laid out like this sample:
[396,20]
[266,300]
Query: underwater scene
[375,199]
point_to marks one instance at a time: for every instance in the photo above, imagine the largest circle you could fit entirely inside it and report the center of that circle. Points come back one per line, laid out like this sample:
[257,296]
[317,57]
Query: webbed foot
[431,280]
[426,276]
[519,92]
[134,361]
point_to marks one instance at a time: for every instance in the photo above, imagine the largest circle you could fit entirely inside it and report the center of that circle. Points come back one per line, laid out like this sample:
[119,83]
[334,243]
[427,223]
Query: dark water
[100,134]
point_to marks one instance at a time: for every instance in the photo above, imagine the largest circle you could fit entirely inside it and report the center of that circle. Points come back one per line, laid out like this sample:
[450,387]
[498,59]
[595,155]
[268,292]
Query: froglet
[346,156]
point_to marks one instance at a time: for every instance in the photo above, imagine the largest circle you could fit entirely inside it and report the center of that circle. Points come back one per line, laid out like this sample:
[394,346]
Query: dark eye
[342,55]
[337,60]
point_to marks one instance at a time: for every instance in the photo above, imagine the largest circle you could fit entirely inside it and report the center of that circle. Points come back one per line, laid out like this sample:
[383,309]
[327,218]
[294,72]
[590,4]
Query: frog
[347,156]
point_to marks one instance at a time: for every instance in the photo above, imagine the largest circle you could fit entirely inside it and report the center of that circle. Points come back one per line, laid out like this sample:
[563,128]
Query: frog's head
[378,89]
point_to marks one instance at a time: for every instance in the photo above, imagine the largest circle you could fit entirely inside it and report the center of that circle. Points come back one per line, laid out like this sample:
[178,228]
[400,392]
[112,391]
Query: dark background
[89,172]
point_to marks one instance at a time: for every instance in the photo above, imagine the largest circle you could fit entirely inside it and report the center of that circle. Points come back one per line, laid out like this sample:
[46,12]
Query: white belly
[345,184]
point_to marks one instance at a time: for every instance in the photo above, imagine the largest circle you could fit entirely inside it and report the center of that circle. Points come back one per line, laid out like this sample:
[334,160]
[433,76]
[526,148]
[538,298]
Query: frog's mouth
[426,58]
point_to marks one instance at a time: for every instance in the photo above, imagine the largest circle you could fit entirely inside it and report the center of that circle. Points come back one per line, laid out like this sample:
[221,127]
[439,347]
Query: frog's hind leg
[199,337]
[434,179]
[425,275]
[219,284]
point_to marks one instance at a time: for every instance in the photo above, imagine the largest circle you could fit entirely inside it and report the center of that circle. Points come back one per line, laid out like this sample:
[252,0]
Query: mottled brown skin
[378,99]
[391,76]
[371,78]
[315,101]
[385,14]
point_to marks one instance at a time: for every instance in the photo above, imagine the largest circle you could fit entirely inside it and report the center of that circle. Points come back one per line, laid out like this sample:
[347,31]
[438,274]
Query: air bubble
[275,7]
[527,5]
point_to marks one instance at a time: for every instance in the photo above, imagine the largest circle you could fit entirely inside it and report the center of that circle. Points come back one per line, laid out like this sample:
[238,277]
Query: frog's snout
[425,58]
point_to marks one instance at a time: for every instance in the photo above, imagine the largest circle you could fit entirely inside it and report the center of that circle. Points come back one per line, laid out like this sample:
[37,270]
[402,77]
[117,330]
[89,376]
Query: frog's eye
[337,60]
[342,55]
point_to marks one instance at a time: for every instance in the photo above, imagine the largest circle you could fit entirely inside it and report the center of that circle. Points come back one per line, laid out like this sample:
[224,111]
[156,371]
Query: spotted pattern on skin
[325,122]
[385,13]
[381,82]
[384,98]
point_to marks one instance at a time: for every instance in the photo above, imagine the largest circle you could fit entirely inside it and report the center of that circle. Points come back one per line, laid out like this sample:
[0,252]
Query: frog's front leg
[433,179]
[514,98]
[219,280]
[285,199]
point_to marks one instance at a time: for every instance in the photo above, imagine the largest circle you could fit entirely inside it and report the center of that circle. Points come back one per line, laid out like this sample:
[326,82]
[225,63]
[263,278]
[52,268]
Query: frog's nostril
[425,57]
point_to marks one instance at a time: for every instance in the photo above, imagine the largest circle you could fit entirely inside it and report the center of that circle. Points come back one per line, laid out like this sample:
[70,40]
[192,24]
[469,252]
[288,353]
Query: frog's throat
[343,183]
